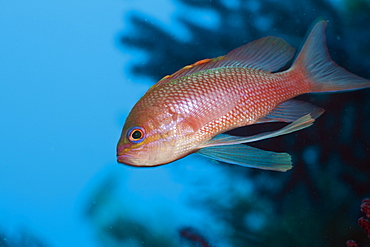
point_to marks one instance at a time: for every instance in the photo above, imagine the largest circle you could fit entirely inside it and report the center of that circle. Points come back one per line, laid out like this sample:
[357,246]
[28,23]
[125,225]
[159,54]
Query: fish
[190,111]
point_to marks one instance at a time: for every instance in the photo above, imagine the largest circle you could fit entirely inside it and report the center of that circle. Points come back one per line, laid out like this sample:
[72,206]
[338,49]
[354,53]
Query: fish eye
[136,134]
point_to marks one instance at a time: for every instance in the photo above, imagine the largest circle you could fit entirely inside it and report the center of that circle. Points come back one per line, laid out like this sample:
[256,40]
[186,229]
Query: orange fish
[188,111]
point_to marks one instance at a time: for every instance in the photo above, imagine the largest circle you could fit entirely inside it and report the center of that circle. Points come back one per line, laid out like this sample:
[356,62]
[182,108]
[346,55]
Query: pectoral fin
[291,110]
[244,155]
[225,139]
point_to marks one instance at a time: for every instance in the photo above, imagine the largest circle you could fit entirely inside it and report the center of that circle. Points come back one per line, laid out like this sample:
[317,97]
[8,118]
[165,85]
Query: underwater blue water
[65,91]
[64,95]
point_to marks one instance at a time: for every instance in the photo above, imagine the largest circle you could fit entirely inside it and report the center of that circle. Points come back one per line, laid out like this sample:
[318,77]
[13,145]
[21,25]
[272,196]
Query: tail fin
[324,74]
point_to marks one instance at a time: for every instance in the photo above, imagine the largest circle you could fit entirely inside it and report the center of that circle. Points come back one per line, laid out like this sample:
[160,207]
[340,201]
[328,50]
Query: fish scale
[258,94]
[190,110]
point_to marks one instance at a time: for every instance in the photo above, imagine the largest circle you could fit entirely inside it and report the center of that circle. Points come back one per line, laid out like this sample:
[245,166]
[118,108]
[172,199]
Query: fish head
[150,138]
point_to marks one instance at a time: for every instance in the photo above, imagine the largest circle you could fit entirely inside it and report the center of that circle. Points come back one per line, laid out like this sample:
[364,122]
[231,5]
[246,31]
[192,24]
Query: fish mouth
[122,156]
[125,159]
[129,160]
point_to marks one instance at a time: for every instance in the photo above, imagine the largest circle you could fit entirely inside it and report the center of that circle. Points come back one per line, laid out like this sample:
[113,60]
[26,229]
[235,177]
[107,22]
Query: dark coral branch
[364,222]
[365,207]
[352,243]
[192,235]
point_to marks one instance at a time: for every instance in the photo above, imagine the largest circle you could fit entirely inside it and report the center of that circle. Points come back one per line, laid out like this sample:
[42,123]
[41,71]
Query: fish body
[190,110]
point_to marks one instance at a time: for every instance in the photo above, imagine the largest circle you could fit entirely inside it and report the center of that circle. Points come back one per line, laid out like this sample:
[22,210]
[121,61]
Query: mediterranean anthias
[190,110]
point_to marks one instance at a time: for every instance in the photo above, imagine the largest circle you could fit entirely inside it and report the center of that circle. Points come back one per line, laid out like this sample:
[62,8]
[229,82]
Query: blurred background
[70,71]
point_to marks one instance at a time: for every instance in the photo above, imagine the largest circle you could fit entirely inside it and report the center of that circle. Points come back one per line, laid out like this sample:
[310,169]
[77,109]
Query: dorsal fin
[267,54]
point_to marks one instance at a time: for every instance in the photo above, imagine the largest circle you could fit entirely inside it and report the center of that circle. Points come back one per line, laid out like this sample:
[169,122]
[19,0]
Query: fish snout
[125,159]
[122,153]
[127,156]
[122,147]
[141,156]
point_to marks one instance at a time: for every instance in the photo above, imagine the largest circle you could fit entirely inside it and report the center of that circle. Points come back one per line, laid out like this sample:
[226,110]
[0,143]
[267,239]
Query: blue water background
[65,90]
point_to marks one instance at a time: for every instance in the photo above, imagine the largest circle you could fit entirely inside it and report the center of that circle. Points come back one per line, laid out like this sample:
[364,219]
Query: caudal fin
[324,74]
